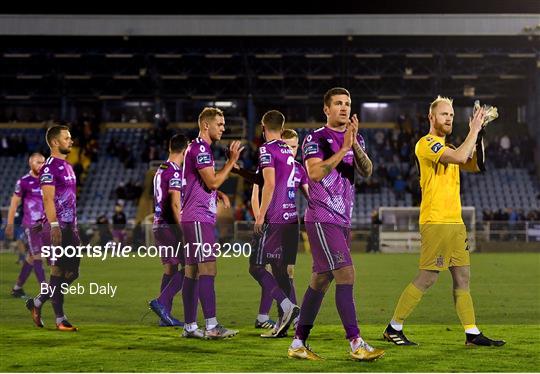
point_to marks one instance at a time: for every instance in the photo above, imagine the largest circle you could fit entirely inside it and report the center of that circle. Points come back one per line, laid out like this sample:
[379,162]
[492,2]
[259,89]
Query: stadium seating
[497,189]
[98,196]
[12,169]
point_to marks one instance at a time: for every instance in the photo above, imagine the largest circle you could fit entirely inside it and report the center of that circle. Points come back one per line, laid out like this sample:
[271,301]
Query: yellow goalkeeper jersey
[441,202]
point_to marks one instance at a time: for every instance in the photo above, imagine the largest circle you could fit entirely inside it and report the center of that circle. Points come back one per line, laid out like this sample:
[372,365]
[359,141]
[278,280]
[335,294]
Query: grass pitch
[114,336]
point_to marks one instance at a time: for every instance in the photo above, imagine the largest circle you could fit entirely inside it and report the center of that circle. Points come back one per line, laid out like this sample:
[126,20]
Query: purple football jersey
[330,200]
[59,173]
[300,175]
[278,155]
[168,178]
[28,189]
[199,203]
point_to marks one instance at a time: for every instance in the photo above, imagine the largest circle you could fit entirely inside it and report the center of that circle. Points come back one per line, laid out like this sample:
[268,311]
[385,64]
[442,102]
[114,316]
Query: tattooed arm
[362,163]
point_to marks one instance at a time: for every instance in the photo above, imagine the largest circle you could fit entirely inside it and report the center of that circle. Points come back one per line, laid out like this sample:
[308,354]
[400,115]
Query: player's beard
[64,151]
[444,129]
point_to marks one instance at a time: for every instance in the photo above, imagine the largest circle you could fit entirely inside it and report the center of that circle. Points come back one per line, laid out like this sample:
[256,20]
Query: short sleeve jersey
[199,203]
[441,202]
[330,200]
[300,175]
[59,173]
[29,190]
[278,155]
[168,178]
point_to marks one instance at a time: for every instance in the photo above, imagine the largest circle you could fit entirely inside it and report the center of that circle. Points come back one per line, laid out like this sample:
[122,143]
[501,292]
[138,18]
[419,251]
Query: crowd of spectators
[392,153]
[510,215]
[131,190]
[391,150]
[14,145]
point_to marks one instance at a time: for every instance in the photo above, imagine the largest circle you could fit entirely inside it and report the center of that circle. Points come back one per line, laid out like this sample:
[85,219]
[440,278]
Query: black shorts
[70,236]
[277,244]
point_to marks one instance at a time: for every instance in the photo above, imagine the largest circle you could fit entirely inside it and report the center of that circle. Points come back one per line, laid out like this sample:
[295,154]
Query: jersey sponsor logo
[291,194]
[176,175]
[69,177]
[175,183]
[46,178]
[289,215]
[265,159]
[46,170]
[330,140]
[202,148]
[203,158]
[309,137]
[60,168]
[311,148]
[263,149]
[436,147]
[429,138]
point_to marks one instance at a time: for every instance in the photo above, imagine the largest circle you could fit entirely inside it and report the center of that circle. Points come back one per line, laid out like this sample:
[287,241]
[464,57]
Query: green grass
[115,337]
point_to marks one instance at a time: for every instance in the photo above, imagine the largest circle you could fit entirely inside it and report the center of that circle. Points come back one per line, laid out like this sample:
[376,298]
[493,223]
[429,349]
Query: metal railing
[524,231]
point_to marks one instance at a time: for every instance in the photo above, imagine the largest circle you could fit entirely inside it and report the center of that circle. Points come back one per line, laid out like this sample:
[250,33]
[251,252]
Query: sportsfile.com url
[117,250]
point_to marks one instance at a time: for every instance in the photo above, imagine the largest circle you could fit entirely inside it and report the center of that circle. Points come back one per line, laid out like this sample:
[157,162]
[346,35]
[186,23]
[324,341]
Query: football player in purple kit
[290,137]
[331,155]
[28,192]
[59,188]
[166,228]
[276,223]
[199,198]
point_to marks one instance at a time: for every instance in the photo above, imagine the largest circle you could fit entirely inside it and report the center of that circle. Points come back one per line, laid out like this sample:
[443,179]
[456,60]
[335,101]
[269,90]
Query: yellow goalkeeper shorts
[443,245]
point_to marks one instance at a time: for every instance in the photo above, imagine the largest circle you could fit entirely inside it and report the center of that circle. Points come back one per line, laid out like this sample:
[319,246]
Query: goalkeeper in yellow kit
[443,234]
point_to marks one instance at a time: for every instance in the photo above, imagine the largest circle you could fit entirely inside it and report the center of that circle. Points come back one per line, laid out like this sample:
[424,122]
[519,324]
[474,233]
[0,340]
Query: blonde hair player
[199,195]
[443,233]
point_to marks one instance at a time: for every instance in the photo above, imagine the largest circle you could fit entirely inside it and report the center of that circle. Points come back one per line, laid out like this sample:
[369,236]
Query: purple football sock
[190,297]
[292,293]
[308,312]
[347,310]
[24,274]
[38,269]
[268,282]
[54,283]
[170,290]
[207,295]
[57,299]
[165,279]
[266,301]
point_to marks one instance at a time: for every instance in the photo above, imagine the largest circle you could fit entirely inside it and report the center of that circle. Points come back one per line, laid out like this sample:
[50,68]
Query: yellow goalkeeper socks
[408,300]
[465,310]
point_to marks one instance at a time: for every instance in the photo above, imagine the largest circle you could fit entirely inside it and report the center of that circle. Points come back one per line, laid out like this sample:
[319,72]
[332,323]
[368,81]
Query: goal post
[399,230]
